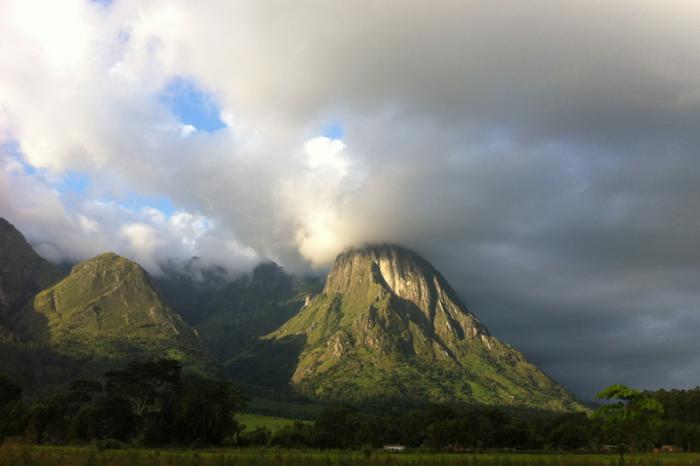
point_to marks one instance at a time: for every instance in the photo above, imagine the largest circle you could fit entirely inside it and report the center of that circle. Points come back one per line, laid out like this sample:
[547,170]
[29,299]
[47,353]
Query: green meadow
[22,455]
[256,421]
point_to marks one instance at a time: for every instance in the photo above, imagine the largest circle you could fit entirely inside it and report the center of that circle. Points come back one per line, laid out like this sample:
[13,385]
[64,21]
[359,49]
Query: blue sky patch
[333,130]
[135,202]
[75,182]
[12,149]
[192,105]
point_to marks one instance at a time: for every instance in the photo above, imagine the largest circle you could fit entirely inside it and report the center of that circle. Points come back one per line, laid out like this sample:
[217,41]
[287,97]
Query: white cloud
[88,225]
[143,240]
[416,88]
[325,153]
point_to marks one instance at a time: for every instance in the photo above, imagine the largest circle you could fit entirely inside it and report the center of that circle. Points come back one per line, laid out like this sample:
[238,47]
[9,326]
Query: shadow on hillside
[267,363]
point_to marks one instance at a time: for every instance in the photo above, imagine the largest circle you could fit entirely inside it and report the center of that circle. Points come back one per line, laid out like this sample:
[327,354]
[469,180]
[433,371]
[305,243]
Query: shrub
[110,444]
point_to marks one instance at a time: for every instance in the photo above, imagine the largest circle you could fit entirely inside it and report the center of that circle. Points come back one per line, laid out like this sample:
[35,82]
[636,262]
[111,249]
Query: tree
[9,391]
[298,435]
[631,416]
[143,382]
[453,433]
[203,410]
[337,427]
[572,431]
[47,420]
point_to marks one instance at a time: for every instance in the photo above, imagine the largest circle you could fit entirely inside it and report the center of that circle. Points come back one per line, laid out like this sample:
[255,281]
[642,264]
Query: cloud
[543,155]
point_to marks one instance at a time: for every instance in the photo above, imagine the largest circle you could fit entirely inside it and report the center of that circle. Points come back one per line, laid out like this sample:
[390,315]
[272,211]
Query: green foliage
[337,428]
[9,391]
[681,418]
[297,435]
[574,432]
[632,419]
[47,420]
[13,420]
[143,383]
[203,411]
[148,402]
[633,406]
[152,403]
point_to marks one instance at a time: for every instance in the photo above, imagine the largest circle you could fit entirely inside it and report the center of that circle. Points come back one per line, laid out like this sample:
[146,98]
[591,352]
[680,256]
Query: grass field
[19,455]
[285,409]
[253,421]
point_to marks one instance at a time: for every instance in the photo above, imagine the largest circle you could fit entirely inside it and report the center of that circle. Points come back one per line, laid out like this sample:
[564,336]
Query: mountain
[231,314]
[107,310]
[387,327]
[23,273]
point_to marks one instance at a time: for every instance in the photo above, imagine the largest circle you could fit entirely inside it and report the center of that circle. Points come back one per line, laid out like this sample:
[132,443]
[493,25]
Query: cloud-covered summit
[543,154]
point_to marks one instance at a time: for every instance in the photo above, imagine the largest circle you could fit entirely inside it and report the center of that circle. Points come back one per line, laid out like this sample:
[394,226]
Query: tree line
[637,421]
[155,403]
[146,403]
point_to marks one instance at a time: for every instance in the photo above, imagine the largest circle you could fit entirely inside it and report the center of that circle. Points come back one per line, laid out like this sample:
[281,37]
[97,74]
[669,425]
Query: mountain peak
[108,258]
[408,276]
[108,264]
[5,225]
[107,307]
[388,326]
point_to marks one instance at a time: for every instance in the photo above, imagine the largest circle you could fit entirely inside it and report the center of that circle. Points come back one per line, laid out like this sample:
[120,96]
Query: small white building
[394,448]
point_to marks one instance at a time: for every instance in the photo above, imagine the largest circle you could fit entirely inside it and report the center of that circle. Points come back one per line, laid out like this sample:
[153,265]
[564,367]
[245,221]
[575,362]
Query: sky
[544,155]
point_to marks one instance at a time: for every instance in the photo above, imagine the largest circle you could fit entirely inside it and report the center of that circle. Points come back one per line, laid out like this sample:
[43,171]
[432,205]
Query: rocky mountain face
[107,309]
[23,273]
[388,327]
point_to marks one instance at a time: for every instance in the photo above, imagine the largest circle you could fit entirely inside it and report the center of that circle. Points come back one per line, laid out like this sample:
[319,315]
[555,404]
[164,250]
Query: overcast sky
[543,154]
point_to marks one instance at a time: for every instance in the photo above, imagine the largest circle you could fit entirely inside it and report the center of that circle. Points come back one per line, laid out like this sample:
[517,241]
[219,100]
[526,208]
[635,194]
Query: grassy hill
[107,310]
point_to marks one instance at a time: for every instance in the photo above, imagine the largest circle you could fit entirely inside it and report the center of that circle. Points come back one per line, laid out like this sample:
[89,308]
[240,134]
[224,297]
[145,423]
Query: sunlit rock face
[412,278]
[388,326]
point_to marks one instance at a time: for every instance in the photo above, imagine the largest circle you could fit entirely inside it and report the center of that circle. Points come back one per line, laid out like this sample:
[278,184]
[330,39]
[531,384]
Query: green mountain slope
[107,310]
[230,315]
[23,273]
[388,327]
